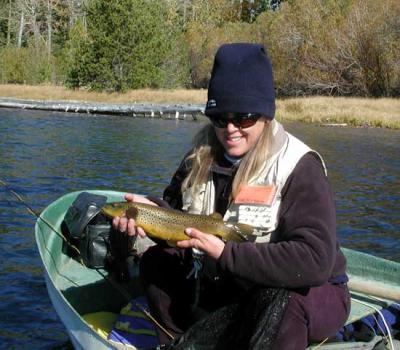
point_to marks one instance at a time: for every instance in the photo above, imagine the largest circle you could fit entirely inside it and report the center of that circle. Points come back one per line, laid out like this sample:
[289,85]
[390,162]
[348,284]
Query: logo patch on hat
[211,104]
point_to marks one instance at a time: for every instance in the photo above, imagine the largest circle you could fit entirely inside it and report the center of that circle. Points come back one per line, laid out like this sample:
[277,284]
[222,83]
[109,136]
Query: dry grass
[49,92]
[384,112]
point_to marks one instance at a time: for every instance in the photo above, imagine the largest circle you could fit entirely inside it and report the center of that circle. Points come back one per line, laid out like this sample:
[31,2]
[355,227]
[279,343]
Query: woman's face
[237,141]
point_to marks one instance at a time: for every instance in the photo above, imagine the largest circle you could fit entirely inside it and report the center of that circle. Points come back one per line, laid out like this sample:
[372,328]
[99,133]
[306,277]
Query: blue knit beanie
[241,81]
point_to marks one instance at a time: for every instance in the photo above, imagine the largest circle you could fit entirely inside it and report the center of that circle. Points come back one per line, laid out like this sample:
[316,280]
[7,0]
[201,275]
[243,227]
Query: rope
[320,344]
[122,291]
[388,336]
[389,333]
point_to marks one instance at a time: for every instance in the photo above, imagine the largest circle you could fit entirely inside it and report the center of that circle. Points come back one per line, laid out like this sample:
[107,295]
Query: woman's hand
[126,225]
[209,244]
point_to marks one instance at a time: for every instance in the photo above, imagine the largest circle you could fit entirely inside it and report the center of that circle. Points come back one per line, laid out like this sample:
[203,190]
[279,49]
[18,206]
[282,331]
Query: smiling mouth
[234,139]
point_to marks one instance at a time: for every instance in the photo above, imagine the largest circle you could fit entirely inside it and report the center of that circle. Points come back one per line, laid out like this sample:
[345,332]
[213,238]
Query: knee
[295,307]
[292,334]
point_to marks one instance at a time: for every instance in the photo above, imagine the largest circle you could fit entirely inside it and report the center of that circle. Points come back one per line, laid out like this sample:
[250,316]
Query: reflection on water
[45,155]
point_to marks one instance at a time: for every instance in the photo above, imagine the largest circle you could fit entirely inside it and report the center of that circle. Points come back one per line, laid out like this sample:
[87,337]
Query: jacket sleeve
[304,251]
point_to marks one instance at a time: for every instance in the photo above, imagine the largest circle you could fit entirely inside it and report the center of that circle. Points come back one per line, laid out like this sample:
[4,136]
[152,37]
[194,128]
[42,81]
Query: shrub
[26,65]
[344,47]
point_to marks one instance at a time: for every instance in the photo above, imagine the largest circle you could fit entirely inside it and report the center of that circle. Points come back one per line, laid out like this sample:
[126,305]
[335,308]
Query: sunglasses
[239,120]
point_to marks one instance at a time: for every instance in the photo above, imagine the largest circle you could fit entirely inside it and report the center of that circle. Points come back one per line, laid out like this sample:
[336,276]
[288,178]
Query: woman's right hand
[128,226]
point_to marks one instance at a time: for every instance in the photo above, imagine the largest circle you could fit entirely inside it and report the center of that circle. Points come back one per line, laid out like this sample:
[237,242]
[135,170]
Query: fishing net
[252,323]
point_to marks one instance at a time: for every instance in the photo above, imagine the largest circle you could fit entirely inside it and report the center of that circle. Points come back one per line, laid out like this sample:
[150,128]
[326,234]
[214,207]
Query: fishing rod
[122,291]
[37,215]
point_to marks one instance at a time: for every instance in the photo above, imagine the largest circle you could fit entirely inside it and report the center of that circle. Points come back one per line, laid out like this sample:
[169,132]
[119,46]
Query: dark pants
[170,294]
[311,315]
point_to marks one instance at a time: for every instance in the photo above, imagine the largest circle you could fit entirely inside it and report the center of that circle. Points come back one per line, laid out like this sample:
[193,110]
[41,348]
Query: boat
[81,295]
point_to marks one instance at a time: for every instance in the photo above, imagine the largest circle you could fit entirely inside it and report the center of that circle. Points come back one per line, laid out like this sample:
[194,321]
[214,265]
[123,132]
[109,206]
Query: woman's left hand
[207,243]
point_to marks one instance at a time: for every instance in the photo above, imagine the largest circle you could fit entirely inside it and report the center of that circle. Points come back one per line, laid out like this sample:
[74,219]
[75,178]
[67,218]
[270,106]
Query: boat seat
[363,305]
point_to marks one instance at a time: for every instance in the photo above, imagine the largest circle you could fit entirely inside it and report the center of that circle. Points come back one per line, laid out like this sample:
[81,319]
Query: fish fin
[171,243]
[244,231]
[131,213]
[216,215]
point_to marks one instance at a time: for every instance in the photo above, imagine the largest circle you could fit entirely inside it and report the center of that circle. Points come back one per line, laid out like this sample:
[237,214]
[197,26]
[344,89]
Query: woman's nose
[231,127]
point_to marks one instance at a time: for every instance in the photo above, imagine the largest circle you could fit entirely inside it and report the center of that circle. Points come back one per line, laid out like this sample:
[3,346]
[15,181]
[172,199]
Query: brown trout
[170,224]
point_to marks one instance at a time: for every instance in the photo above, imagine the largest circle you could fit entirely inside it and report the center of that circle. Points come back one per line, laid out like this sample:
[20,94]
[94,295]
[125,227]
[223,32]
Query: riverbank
[383,112]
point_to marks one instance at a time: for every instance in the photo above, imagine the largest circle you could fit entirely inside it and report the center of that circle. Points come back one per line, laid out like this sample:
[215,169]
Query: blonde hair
[207,149]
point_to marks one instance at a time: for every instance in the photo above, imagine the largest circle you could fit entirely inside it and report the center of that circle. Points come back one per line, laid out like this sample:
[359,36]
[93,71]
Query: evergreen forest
[318,47]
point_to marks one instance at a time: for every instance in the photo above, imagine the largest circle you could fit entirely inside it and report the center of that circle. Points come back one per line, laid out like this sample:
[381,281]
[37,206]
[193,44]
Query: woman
[247,168]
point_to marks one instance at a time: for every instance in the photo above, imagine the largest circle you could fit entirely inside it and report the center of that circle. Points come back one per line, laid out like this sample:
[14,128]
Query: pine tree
[126,46]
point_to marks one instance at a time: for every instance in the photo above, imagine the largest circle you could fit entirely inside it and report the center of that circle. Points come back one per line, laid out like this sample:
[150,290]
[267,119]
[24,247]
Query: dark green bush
[128,44]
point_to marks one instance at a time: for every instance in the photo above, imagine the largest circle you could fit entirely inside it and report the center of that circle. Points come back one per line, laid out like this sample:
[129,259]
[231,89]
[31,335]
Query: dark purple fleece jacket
[303,251]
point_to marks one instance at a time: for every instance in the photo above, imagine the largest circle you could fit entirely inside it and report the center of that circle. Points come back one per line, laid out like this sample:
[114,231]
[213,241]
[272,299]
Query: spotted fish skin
[170,225]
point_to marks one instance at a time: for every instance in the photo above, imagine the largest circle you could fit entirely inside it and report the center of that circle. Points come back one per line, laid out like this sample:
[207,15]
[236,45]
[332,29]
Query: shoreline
[323,110]
[167,111]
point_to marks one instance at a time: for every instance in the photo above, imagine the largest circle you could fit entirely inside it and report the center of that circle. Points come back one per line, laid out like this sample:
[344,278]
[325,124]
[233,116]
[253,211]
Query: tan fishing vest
[286,151]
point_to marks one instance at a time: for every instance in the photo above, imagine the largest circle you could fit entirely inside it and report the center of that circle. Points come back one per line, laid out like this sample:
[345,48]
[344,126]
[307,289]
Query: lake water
[45,155]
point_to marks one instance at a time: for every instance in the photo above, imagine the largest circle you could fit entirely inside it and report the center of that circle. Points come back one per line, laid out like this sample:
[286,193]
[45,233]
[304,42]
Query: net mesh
[252,323]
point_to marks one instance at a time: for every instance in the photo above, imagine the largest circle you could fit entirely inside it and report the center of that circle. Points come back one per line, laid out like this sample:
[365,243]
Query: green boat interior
[89,293]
